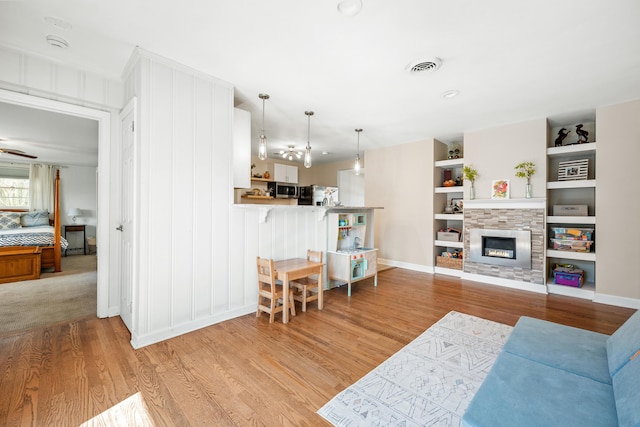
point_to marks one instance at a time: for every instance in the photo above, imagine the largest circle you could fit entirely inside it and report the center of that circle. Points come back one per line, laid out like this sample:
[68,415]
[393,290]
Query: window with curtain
[14,185]
[14,193]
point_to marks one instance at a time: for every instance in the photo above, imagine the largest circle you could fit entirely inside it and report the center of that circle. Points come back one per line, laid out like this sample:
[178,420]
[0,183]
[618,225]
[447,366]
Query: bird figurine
[583,135]
[562,134]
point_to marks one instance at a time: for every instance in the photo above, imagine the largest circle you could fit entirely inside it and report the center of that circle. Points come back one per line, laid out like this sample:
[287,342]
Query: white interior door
[128,139]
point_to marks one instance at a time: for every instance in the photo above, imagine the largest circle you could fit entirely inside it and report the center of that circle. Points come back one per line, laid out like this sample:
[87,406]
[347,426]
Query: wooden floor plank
[246,371]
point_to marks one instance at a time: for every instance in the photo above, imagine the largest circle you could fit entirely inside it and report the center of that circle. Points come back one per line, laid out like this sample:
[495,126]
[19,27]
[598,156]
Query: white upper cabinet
[285,173]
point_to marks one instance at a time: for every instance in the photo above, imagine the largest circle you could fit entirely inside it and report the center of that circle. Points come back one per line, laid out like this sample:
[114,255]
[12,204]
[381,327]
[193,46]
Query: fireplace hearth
[511,248]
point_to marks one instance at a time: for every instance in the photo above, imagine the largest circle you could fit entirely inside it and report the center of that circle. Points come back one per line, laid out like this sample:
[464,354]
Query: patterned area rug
[429,382]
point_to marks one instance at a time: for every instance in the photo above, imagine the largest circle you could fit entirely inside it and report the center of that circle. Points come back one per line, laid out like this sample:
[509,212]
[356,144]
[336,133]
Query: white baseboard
[139,341]
[406,265]
[618,301]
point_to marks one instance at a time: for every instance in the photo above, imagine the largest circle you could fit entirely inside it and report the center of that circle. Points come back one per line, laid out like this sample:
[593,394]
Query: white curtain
[41,187]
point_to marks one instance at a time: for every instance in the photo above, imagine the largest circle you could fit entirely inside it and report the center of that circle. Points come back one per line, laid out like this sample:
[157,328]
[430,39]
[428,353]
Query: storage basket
[446,262]
[571,245]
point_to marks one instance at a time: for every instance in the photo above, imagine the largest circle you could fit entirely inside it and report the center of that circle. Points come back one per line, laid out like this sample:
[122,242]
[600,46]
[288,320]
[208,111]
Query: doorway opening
[103,118]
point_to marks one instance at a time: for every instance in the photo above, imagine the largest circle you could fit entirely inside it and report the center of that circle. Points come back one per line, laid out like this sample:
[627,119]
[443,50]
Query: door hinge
[133,127]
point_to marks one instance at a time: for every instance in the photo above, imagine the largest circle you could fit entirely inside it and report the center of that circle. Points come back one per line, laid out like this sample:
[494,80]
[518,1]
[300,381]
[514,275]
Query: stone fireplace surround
[506,215]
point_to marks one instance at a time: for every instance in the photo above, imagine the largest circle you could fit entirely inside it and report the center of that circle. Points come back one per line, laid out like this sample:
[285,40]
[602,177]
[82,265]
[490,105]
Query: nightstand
[72,228]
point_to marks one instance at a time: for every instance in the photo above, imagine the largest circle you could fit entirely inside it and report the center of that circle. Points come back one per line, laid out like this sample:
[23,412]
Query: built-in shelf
[257,197]
[448,244]
[449,163]
[450,217]
[261,179]
[568,150]
[587,291]
[571,220]
[578,256]
[448,271]
[453,189]
[577,183]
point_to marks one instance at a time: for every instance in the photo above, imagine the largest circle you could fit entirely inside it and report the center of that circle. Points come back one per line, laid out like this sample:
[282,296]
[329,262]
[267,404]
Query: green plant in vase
[526,170]
[470,174]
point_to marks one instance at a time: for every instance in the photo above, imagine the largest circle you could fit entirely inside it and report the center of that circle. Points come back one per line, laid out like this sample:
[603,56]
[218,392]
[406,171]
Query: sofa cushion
[520,392]
[571,349]
[624,343]
[626,388]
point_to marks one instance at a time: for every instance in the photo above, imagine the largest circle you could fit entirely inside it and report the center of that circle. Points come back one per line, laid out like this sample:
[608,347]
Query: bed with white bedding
[42,235]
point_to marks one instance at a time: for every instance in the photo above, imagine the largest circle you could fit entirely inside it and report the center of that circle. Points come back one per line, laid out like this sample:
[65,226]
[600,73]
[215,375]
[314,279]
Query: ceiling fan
[16,153]
[290,153]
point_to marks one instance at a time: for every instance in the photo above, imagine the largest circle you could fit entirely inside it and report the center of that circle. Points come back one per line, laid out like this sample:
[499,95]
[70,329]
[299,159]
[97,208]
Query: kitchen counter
[321,210]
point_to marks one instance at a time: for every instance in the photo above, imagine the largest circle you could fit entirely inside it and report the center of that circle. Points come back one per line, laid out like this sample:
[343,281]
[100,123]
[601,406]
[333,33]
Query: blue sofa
[554,375]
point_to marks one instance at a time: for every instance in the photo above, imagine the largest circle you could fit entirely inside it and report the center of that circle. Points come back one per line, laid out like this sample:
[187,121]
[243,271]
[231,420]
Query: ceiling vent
[56,41]
[424,65]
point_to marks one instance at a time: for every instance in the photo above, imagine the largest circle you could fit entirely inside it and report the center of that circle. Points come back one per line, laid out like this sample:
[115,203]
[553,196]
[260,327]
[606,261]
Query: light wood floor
[246,371]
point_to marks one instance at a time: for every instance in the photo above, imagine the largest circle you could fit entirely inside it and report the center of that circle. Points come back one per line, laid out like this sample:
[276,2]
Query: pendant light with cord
[356,165]
[262,144]
[307,153]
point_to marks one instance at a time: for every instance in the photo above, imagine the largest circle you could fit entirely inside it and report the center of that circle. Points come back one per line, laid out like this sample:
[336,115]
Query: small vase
[528,191]
[472,192]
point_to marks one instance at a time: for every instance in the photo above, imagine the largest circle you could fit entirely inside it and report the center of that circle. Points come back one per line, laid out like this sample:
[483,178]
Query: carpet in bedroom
[55,297]
[429,382]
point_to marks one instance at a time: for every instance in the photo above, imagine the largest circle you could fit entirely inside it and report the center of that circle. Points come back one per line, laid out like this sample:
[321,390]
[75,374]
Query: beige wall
[400,179]
[617,200]
[495,152]
[318,174]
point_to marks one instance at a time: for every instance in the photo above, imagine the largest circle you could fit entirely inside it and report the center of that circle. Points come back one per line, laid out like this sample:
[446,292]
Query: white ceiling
[510,60]
[52,137]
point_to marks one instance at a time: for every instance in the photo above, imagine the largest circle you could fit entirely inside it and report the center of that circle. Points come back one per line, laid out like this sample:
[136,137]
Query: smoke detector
[424,65]
[57,41]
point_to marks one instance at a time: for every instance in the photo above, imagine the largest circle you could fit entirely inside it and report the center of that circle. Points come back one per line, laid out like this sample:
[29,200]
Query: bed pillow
[9,220]
[34,219]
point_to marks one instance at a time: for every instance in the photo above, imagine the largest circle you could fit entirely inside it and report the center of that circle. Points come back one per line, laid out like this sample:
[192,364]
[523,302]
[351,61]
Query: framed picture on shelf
[573,170]
[500,189]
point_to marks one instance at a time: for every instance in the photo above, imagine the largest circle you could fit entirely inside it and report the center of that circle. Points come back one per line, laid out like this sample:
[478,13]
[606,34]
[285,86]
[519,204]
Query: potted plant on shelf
[526,170]
[470,173]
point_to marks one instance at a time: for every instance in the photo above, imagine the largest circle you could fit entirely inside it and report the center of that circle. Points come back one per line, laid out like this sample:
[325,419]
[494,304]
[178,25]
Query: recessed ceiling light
[350,7]
[57,41]
[450,94]
[324,153]
[424,65]
[58,23]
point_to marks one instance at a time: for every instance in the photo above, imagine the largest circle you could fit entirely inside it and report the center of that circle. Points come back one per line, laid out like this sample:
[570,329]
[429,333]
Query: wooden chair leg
[272,315]
[304,299]
[292,304]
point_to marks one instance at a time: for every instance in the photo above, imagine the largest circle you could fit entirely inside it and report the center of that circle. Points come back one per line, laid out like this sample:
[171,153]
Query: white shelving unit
[442,195]
[573,192]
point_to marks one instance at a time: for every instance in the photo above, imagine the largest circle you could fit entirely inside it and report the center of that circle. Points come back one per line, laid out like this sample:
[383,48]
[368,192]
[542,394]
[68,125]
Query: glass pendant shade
[262,144]
[307,157]
[307,152]
[262,148]
[356,165]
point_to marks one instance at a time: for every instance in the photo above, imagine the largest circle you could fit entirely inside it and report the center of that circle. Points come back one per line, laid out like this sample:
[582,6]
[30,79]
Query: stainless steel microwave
[282,191]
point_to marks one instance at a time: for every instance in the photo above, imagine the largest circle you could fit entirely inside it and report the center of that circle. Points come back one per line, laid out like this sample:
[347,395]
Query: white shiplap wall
[195,250]
[39,76]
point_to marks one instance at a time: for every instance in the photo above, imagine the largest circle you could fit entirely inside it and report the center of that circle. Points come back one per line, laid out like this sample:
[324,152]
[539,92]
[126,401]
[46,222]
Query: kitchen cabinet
[285,173]
[561,191]
[444,169]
